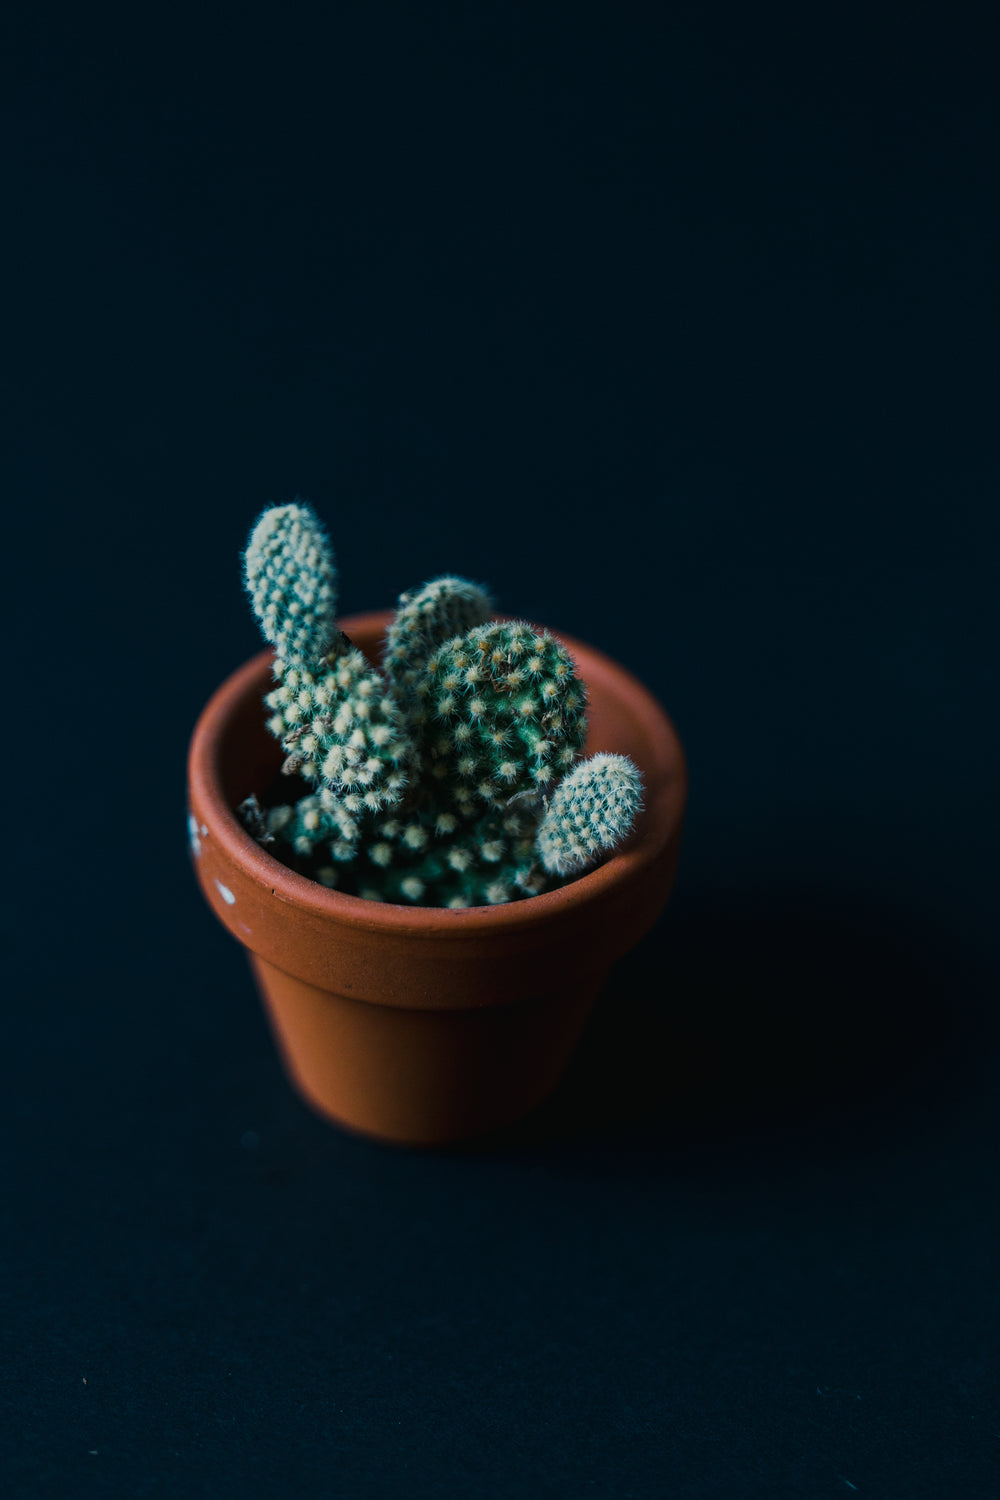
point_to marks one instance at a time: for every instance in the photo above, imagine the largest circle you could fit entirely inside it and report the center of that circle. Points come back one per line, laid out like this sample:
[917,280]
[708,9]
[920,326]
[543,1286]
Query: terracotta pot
[426,1025]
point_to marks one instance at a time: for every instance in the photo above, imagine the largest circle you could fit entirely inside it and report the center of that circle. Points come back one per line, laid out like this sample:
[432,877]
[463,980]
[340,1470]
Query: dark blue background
[676,326]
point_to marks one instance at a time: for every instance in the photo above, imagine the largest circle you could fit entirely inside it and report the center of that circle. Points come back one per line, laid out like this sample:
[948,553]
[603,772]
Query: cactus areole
[395,816]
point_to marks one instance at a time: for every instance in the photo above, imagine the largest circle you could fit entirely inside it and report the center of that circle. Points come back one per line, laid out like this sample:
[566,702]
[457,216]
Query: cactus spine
[450,778]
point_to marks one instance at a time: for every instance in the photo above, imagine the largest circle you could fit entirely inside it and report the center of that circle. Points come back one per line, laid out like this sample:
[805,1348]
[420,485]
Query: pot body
[425,1025]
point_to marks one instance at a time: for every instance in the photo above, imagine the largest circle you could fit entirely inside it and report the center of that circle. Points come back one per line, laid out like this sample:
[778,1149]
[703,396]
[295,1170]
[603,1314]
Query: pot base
[422,1077]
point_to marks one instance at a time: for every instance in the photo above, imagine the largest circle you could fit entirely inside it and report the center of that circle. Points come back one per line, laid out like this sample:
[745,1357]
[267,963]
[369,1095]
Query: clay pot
[424,1025]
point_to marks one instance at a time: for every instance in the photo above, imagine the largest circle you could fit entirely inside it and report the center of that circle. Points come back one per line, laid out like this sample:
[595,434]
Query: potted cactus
[396,815]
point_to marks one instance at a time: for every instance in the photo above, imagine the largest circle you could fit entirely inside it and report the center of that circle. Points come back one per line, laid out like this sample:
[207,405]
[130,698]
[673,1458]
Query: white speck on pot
[193,834]
[226,893]
[204,831]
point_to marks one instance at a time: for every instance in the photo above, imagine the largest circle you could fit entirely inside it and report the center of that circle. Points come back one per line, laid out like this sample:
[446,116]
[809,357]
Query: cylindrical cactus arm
[292,581]
[591,812]
[343,729]
[338,723]
[425,619]
[507,715]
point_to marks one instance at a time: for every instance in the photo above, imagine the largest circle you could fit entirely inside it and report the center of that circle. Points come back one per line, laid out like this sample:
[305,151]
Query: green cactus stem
[591,812]
[336,720]
[452,777]
[292,581]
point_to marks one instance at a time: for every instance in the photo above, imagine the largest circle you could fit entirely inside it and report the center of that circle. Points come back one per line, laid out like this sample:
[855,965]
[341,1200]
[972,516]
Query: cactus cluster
[452,777]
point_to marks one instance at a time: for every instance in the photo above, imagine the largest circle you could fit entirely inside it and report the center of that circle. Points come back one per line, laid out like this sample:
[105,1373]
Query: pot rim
[659,819]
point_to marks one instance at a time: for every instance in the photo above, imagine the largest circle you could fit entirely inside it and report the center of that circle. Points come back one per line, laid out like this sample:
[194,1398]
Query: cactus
[450,778]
